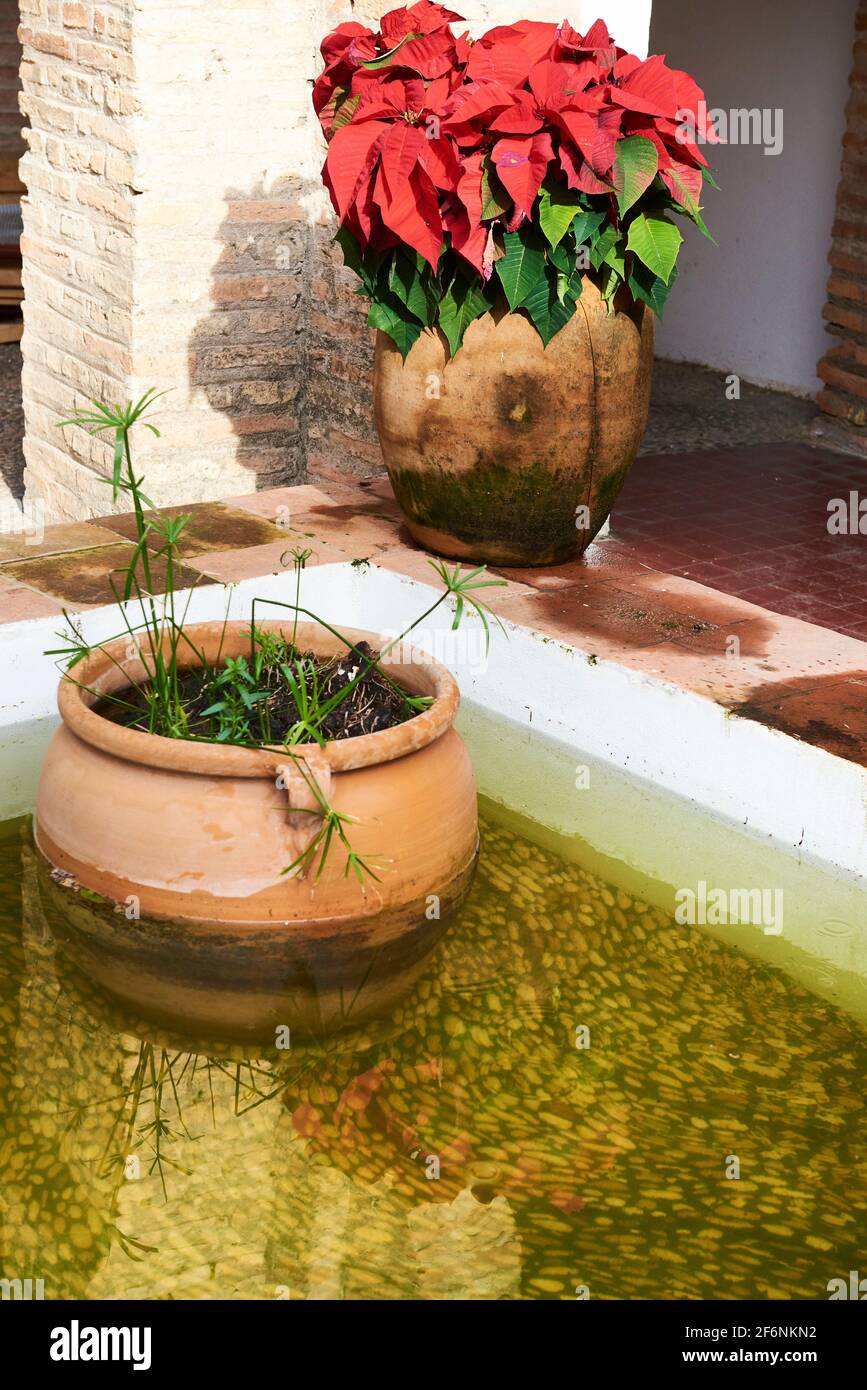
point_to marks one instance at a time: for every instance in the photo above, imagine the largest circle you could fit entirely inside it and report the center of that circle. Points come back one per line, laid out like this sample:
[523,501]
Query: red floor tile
[752,522]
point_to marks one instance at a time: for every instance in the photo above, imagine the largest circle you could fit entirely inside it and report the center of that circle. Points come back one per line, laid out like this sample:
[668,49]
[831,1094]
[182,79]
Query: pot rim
[109,668]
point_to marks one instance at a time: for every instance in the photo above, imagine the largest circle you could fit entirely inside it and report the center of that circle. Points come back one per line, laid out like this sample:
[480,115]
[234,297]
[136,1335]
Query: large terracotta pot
[492,455]
[195,837]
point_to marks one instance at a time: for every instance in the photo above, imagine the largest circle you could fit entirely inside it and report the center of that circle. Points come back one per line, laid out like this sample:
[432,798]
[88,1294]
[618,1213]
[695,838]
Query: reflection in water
[462,1147]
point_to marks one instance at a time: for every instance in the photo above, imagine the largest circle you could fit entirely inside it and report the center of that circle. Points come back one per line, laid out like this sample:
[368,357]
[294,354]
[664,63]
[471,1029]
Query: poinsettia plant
[512,165]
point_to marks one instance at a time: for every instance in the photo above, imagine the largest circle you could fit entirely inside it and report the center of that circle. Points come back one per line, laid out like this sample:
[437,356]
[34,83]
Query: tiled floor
[753,522]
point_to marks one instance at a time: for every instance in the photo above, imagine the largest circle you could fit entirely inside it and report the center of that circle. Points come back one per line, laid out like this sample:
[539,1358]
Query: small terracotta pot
[493,455]
[194,837]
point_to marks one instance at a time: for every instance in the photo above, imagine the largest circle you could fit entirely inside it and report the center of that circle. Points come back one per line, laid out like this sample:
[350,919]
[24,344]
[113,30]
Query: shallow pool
[579,1098]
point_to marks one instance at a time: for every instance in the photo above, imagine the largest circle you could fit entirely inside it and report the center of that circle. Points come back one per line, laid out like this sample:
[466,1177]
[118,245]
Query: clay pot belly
[199,925]
[514,453]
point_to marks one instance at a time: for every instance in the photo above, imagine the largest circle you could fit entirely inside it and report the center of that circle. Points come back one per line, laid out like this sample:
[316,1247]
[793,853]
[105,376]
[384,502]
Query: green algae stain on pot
[496,509]
[605,493]
[491,452]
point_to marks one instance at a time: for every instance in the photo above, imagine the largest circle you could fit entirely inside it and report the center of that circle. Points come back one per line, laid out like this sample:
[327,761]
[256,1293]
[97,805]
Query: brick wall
[177,235]
[78,238]
[843,369]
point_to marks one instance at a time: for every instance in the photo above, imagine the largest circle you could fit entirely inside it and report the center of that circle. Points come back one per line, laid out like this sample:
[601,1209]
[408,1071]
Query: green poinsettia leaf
[406,280]
[600,247]
[522,265]
[635,165]
[684,202]
[550,305]
[611,282]
[563,256]
[568,268]
[586,226]
[463,301]
[350,248]
[700,223]
[495,199]
[558,207]
[650,288]
[615,257]
[655,241]
[395,320]
[345,108]
[366,267]
[385,58]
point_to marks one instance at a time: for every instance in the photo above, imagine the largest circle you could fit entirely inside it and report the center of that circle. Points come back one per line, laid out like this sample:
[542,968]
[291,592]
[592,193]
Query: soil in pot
[262,704]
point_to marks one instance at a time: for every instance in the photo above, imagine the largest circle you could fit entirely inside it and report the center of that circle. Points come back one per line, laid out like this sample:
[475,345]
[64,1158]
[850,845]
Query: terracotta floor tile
[361,529]
[602,609]
[697,668]
[279,504]
[55,540]
[751,634]
[256,561]
[605,559]
[416,564]
[751,521]
[828,711]
[18,603]
[379,486]
[83,578]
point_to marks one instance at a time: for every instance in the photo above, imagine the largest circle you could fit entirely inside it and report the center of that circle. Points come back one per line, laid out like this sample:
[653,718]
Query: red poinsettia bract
[442,151]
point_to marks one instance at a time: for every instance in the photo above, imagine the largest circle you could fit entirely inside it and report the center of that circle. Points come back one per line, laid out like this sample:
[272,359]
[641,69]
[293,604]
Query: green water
[464,1147]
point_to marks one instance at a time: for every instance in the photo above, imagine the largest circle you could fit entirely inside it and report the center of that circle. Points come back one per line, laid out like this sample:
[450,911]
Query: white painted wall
[628,20]
[753,304]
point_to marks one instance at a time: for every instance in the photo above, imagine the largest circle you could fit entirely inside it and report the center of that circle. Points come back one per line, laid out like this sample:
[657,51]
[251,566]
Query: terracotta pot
[195,837]
[491,455]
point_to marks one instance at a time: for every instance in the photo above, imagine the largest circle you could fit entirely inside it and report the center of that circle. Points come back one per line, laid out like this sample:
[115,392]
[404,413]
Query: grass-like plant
[232,703]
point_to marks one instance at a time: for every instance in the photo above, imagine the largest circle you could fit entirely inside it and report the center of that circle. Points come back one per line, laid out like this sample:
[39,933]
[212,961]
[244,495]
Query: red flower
[442,145]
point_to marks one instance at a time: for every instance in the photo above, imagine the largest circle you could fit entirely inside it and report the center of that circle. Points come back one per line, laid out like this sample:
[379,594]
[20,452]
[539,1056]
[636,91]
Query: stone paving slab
[84,578]
[212,526]
[30,544]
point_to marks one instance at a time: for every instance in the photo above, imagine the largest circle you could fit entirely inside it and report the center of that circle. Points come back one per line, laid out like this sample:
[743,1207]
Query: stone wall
[177,235]
[843,368]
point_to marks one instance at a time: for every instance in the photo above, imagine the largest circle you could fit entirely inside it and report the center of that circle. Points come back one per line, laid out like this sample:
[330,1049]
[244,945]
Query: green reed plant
[239,689]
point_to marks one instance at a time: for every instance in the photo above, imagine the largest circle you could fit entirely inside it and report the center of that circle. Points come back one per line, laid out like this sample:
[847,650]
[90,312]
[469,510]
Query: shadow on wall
[285,352]
[11,424]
